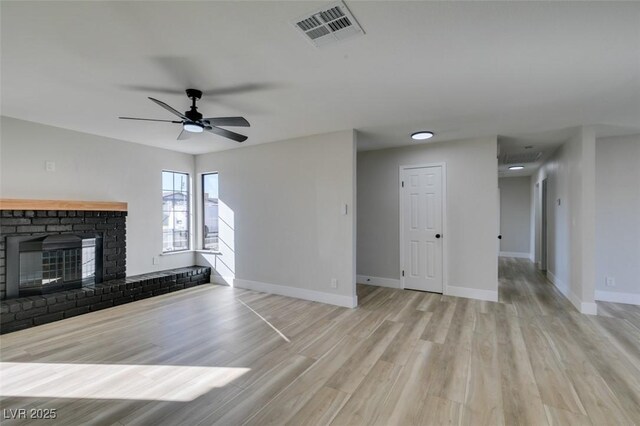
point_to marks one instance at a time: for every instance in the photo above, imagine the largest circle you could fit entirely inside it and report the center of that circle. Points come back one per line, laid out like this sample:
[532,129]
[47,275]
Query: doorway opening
[543,226]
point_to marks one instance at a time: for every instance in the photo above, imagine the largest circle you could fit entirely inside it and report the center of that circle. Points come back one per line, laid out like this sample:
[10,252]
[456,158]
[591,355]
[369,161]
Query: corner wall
[570,175]
[283,228]
[472,214]
[618,219]
[90,167]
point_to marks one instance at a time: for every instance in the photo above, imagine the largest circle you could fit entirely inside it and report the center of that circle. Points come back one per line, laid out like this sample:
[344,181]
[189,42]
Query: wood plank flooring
[217,355]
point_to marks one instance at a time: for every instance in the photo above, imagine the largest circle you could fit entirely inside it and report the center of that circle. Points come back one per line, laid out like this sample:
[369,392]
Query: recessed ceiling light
[516,167]
[421,135]
[192,127]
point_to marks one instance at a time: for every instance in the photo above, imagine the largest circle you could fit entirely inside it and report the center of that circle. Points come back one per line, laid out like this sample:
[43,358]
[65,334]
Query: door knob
[437,235]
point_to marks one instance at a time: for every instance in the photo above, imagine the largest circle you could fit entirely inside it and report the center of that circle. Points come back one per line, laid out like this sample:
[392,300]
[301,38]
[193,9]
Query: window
[210,211]
[175,211]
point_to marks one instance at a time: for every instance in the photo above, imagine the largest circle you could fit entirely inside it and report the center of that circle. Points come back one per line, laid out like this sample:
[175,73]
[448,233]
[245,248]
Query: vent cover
[520,158]
[328,25]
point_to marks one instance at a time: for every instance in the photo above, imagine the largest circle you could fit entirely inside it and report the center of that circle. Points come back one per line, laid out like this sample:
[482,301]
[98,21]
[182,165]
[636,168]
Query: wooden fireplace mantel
[17,204]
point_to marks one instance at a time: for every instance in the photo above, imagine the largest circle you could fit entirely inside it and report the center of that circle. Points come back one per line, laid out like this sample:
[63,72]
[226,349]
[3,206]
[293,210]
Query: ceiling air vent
[328,25]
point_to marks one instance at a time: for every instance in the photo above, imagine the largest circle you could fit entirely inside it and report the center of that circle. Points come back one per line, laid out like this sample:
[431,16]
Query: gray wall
[94,168]
[472,210]
[515,215]
[570,175]
[618,214]
[282,224]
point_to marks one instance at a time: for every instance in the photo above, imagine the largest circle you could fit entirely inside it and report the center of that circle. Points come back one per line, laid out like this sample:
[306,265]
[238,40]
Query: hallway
[586,368]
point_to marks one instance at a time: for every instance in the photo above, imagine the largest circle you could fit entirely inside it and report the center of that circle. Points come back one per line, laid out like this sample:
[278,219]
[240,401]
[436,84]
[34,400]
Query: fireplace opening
[48,263]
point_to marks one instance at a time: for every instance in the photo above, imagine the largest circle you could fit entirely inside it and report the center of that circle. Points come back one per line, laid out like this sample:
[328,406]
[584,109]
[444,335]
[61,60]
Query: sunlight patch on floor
[112,381]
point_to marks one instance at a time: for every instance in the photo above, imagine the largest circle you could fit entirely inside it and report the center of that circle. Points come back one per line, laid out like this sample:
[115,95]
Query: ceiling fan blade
[240,88]
[149,119]
[226,133]
[152,89]
[168,108]
[184,135]
[228,121]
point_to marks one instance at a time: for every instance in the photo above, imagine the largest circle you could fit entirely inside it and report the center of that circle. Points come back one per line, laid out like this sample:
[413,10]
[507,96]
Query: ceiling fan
[193,122]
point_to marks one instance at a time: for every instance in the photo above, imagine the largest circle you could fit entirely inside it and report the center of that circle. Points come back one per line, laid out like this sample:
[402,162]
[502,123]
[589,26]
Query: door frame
[445,233]
[544,224]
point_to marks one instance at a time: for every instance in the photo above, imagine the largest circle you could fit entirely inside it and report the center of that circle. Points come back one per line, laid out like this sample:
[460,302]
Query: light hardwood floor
[216,355]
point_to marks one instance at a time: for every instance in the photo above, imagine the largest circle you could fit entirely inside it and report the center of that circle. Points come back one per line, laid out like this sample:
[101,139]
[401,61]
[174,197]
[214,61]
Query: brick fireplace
[59,259]
[19,227]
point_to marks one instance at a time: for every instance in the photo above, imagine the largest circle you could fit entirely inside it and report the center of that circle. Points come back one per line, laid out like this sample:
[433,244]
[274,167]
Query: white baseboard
[298,293]
[471,293]
[515,254]
[588,308]
[618,297]
[564,289]
[381,282]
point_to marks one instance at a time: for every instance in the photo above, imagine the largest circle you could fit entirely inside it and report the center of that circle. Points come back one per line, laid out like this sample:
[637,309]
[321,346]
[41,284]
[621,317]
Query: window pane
[167,241]
[181,201]
[175,211]
[179,182]
[180,240]
[167,181]
[210,210]
[167,220]
[211,185]
[180,221]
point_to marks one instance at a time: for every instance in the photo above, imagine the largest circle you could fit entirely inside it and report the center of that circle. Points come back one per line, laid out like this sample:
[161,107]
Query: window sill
[208,251]
[173,253]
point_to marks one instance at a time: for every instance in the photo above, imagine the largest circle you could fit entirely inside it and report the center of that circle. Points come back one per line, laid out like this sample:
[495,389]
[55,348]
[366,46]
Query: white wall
[472,212]
[618,218]
[282,228]
[515,216]
[95,168]
[570,175]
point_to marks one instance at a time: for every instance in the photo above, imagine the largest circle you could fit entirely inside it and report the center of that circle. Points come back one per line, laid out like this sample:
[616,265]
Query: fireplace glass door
[58,262]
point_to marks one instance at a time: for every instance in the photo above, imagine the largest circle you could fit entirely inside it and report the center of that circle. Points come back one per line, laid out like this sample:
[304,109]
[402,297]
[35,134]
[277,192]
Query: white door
[421,210]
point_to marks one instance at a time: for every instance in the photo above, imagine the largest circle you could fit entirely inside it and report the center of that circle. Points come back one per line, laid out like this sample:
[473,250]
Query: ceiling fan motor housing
[193,114]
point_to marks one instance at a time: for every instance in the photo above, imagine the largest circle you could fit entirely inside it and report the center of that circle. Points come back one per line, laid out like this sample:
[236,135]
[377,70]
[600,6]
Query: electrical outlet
[334,283]
[155,260]
[610,282]
[50,166]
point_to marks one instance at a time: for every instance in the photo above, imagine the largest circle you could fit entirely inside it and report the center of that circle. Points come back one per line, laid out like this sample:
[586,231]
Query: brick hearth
[25,312]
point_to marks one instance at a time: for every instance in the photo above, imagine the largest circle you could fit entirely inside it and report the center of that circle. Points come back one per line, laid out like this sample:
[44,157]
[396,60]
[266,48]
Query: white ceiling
[545,143]
[460,69]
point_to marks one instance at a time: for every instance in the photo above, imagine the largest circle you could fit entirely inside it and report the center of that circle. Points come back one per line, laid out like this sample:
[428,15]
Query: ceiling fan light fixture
[421,135]
[192,127]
